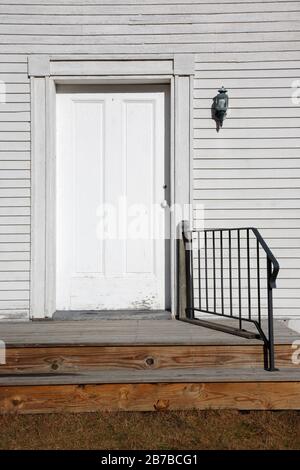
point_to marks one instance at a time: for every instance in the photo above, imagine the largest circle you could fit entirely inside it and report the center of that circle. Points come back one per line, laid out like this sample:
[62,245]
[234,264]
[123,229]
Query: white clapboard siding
[15,256]
[152,48]
[250,163]
[286,285]
[14,265]
[14,183]
[260,204]
[233,173]
[14,67]
[227,134]
[13,304]
[15,97]
[13,77]
[285,274]
[13,229]
[14,276]
[14,165]
[253,113]
[286,293]
[259,153]
[14,286]
[14,220]
[237,57]
[283,94]
[14,126]
[11,87]
[8,239]
[254,188]
[249,123]
[14,107]
[14,201]
[173,28]
[14,136]
[259,69]
[22,116]
[126,2]
[249,73]
[257,222]
[247,174]
[237,103]
[253,143]
[14,247]
[12,174]
[15,193]
[8,146]
[145,39]
[13,295]
[140,14]
[14,211]
[244,82]
[250,214]
[138,8]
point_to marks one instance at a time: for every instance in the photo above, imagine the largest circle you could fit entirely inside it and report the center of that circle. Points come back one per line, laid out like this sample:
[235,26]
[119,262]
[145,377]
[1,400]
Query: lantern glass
[222,103]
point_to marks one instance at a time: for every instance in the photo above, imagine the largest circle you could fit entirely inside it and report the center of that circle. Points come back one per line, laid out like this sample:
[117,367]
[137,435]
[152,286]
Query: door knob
[164,204]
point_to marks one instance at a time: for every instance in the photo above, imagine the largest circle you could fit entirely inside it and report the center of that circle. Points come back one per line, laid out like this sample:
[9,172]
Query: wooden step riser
[79,359]
[150,397]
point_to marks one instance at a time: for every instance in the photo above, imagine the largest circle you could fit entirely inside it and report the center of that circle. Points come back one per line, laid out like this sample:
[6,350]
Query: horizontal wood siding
[247,174]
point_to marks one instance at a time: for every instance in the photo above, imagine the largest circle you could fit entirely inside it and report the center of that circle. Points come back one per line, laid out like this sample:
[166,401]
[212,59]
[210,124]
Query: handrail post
[270,318]
[184,272]
[189,274]
[181,303]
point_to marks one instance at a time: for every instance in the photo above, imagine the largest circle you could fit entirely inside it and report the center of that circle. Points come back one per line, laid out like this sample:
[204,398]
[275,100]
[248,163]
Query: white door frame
[47,71]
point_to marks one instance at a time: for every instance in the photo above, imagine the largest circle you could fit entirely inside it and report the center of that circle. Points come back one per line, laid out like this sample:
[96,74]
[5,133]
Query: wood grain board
[150,397]
[195,375]
[125,332]
[75,360]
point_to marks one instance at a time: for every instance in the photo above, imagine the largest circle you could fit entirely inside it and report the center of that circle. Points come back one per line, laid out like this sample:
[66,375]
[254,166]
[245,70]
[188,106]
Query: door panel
[88,154]
[110,185]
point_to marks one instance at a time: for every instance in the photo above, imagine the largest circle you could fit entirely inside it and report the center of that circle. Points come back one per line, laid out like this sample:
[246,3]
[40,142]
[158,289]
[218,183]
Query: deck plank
[150,397]
[124,332]
[73,359]
[189,375]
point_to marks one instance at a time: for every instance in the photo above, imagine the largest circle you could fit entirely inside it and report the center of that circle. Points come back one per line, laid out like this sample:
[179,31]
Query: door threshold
[62,315]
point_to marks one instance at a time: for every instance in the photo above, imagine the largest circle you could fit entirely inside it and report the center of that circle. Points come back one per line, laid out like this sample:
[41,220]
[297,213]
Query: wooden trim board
[45,72]
[70,359]
[150,397]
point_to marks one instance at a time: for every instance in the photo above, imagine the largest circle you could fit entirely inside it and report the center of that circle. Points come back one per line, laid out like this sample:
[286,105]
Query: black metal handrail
[224,270]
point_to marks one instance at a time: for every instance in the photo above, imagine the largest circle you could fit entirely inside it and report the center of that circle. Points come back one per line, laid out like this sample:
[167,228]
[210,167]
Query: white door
[111,218]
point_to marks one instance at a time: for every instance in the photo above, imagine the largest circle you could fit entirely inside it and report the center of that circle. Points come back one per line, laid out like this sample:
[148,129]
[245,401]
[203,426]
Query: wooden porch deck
[141,365]
[126,332]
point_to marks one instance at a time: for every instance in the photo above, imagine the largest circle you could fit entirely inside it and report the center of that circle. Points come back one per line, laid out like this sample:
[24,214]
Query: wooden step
[141,366]
[150,397]
[78,359]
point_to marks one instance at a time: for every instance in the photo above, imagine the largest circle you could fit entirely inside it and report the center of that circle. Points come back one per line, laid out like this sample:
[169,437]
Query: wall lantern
[219,107]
